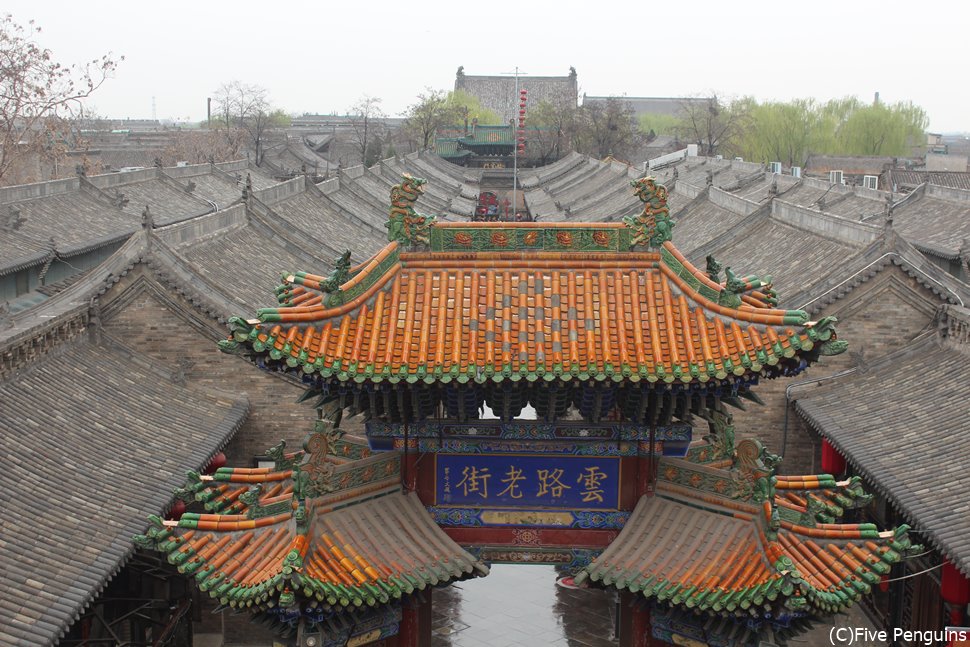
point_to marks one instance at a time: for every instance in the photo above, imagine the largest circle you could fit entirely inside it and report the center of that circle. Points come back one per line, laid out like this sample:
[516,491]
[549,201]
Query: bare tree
[38,95]
[431,112]
[245,109]
[552,125]
[366,120]
[607,128]
[710,123]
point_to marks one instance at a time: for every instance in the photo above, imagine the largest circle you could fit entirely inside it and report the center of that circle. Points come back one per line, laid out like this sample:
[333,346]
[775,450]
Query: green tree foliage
[658,124]
[467,107]
[789,132]
[432,111]
[879,129]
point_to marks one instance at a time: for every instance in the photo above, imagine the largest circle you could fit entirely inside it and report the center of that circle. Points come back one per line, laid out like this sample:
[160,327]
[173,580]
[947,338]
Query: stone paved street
[521,606]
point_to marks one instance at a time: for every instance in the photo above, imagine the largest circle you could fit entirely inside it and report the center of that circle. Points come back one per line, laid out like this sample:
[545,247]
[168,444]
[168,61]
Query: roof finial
[653,225]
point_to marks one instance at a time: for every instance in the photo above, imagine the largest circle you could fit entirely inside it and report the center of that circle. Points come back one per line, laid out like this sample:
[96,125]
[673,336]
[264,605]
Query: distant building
[943,162]
[497,93]
[670,106]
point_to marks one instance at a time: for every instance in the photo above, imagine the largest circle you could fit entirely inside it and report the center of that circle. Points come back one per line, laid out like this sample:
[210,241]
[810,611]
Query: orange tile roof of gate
[526,313]
[685,550]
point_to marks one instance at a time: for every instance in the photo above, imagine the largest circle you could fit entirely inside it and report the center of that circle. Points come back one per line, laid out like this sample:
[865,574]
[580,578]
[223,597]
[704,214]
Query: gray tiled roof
[312,215]
[247,263]
[76,220]
[83,463]
[219,188]
[935,219]
[903,425]
[167,201]
[952,179]
[701,223]
[19,251]
[774,254]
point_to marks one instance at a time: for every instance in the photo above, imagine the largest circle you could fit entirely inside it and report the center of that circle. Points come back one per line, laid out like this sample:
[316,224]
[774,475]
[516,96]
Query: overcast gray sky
[322,56]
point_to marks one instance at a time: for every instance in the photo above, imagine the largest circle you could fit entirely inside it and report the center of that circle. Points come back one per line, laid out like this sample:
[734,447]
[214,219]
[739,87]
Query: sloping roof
[447,147]
[902,424]
[82,464]
[539,310]
[936,220]
[717,554]
[310,534]
[951,179]
[489,136]
[19,252]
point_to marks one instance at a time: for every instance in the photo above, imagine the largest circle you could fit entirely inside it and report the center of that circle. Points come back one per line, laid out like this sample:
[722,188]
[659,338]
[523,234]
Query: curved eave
[339,342]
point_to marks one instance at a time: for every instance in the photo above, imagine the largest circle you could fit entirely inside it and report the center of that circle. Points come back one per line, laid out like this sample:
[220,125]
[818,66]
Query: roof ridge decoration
[652,226]
[307,537]
[762,541]
[404,224]
[487,302]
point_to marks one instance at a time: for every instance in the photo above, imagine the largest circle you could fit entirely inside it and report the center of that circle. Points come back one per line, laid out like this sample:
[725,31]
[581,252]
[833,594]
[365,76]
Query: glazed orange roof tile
[337,534]
[500,301]
[706,541]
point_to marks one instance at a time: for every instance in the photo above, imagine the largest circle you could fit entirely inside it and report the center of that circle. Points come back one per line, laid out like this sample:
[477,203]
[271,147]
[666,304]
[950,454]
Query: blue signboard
[484,480]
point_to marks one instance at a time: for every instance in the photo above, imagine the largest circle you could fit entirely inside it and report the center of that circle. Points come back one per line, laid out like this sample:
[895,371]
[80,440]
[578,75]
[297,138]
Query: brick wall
[497,93]
[156,329]
[878,317]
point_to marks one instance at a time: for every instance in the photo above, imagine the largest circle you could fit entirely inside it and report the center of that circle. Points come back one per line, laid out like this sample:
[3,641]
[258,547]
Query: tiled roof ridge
[824,426]
[74,302]
[889,249]
[866,228]
[674,265]
[265,218]
[750,310]
[57,599]
[180,275]
[737,232]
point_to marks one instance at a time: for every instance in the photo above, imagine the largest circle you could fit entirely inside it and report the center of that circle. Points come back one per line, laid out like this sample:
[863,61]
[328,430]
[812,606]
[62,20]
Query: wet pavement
[521,606]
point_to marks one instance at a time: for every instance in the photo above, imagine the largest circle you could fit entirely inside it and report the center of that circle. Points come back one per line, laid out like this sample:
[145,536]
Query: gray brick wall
[497,93]
[150,326]
[879,317]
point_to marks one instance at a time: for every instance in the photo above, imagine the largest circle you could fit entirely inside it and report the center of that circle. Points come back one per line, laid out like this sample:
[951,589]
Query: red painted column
[415,628]
[409,633]
[409,471]
[635,627]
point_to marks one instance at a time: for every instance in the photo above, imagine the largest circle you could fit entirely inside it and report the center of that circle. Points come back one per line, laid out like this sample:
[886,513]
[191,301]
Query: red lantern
[218,460]
[177,510]
[522,148]
[521,113]
[523,92]
[954,585]
[832,461]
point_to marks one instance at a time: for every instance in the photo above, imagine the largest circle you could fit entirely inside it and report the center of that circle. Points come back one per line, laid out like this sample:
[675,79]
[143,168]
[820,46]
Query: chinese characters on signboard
[484,481]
